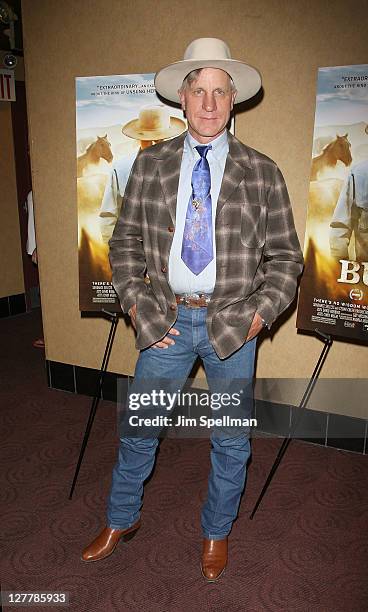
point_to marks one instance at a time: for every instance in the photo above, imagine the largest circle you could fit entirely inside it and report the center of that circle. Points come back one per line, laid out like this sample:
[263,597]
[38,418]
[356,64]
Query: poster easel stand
[283,448]
[114,319]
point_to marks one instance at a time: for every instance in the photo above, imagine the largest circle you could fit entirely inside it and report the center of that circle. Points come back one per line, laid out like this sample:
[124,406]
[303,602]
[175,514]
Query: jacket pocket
[239,313]
[253,226]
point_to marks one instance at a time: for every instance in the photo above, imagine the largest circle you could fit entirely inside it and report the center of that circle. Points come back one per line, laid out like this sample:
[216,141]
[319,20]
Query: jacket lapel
[169,162]
[234,171]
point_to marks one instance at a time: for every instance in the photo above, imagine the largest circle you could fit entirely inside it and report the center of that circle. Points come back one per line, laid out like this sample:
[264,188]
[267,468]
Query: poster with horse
[334,286]
[116,116]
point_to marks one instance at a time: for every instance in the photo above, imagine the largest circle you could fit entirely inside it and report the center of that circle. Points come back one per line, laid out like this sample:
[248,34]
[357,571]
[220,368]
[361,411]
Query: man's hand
[166,342]
[34,257]
[256,327]
[162,344]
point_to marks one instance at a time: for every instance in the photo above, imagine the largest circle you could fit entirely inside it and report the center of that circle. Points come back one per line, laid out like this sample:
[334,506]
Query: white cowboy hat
[208,53]
[154,123]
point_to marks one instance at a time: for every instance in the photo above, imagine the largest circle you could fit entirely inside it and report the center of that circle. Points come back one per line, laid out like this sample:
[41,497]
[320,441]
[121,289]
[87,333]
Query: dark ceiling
[4,40]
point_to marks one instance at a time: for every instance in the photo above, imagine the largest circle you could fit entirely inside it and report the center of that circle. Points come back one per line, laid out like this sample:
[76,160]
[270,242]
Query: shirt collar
[220,146]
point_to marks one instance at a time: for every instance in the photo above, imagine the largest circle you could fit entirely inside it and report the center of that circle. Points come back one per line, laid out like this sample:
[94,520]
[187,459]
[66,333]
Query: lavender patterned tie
[197,246]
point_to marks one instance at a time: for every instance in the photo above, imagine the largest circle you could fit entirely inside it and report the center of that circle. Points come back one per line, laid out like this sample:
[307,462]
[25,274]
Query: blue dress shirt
[181,279]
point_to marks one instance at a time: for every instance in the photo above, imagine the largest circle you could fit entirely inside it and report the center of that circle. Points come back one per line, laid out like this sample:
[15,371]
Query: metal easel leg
[328,343]
[113,317]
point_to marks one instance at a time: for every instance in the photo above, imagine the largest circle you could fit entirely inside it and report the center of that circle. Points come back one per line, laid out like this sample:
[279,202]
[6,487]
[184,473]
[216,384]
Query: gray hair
[194,75]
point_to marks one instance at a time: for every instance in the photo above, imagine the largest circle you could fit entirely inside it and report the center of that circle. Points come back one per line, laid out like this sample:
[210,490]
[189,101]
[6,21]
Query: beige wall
[288,41]
[11,269]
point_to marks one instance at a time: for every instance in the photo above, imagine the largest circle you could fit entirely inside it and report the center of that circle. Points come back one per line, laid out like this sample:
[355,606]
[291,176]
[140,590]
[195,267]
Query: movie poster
[334,287]
[116,116]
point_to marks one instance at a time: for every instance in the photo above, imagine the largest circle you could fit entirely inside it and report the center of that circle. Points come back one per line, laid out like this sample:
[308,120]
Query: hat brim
[132,129]
[247,79]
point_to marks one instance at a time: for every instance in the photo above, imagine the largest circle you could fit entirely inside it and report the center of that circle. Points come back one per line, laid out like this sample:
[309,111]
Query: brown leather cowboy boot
[214,558]
[106,542]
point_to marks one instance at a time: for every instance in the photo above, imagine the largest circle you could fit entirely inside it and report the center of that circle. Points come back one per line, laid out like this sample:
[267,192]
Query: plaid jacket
[258,257]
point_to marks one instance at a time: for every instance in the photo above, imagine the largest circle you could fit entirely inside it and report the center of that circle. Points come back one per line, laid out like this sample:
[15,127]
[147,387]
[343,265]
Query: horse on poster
[99,149]
[337,150]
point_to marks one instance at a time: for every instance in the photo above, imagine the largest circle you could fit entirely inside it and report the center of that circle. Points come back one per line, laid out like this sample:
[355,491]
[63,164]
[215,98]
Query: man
[222,257]
[153,125]
[351,215]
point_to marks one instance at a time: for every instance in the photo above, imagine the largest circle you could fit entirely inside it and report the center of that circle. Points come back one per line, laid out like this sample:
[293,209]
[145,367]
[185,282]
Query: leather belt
[193,300]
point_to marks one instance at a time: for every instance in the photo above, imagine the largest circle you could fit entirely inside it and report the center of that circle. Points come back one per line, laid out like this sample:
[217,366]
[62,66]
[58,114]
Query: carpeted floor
[306,549]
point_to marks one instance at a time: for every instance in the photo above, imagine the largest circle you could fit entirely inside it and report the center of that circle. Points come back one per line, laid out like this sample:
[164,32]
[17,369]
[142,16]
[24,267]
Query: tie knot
[203,150]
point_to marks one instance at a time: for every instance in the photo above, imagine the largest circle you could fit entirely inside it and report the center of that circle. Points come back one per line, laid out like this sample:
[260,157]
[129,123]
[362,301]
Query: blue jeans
[229,452]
